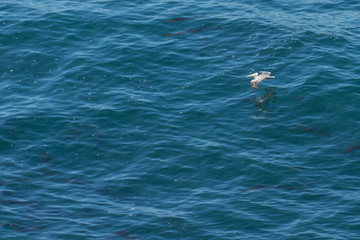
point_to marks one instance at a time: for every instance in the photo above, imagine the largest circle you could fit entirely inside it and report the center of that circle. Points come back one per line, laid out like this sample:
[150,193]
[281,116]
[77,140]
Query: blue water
[134,120]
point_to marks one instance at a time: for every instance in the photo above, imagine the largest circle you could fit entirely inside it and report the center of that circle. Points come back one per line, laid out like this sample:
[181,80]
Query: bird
[258,78]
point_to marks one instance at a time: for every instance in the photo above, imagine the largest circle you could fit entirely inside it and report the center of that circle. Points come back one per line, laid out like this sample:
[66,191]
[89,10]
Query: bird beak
[251,75]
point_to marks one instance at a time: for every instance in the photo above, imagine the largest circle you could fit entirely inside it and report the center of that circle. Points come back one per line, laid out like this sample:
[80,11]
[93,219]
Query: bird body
[259,77]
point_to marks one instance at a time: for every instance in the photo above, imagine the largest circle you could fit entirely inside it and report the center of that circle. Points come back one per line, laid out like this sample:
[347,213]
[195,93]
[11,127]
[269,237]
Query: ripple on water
[137,121]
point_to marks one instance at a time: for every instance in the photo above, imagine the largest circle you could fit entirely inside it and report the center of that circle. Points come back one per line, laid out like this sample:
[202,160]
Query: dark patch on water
[352,148]
[44,157]
[17,227]
[309,129]
[263,187]
[177,19]
[181,19]
[123,235]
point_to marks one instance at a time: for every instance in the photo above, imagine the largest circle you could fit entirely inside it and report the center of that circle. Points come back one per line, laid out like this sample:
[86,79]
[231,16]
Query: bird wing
[254,75]
[255,84]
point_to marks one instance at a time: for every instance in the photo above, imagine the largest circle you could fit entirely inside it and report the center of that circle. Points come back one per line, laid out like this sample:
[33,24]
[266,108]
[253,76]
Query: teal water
[134,120]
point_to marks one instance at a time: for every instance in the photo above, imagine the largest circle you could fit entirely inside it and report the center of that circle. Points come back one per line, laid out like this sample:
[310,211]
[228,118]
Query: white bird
[258,78]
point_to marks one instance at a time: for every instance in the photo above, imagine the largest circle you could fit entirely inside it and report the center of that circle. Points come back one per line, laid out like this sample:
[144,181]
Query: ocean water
[134,120]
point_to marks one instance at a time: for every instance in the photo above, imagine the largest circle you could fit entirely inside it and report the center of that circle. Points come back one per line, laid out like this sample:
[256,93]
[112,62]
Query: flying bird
[258,78]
